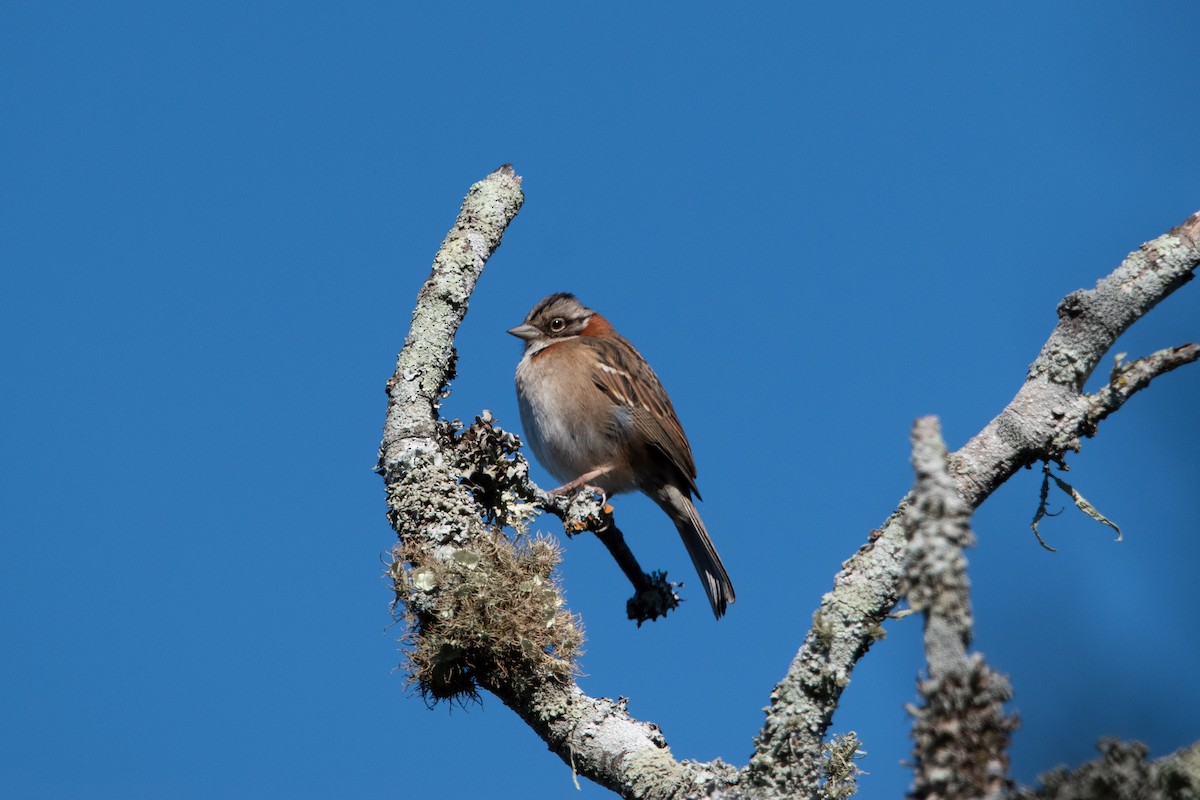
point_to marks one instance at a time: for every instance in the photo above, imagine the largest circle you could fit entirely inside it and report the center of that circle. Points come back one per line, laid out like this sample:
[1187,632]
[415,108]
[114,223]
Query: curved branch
[426,364]
[447,552]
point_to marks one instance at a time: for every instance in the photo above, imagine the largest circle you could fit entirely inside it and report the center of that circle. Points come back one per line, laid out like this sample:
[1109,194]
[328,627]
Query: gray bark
[485,615]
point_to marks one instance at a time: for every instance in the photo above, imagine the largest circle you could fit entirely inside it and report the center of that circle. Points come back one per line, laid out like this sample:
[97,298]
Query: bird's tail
[682,510]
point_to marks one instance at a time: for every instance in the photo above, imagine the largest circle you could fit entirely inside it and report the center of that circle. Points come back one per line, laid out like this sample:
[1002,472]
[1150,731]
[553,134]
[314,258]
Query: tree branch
[1128,378]
[961,733]
[426,364]
[1047,417]
[1121,772]
[653,595]
[477,606]
[938,526]
[1050,413]
[485,613]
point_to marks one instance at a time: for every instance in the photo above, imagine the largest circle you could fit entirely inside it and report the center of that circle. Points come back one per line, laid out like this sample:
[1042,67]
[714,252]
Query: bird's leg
[582,480]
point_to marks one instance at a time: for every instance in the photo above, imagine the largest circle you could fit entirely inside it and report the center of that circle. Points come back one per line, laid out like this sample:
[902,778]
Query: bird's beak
[525,331]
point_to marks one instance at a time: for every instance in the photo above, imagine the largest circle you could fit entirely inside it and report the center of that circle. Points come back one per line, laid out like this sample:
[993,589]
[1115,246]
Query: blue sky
[816,223]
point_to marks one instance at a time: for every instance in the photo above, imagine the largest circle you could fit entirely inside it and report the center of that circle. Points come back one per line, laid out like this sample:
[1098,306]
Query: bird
[595,414]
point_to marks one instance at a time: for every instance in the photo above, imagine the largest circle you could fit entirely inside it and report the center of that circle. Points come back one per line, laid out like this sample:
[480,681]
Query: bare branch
[1046,417]
[787,757]
[1050,413]
[654,596]
[938,524]
[1128,378]
[426,363]
[960,734]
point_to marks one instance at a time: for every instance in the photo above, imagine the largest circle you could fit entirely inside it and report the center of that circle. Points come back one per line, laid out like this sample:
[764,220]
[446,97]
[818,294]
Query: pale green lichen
[491,611]
[840,768]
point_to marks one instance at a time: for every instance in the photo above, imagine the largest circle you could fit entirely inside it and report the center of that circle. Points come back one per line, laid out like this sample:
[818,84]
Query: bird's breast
[572,427]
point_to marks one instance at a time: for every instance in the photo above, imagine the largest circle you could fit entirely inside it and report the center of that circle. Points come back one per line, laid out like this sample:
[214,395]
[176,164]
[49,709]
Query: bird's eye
[557,324]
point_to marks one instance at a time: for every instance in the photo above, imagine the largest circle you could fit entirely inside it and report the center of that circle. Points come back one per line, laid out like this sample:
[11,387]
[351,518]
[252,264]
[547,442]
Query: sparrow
[596,414]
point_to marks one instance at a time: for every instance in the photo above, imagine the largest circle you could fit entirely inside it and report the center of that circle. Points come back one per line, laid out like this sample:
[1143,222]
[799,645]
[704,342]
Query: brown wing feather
[647,401]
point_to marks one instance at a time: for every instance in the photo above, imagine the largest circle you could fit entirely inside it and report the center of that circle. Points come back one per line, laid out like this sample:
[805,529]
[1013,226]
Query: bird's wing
[625,377]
